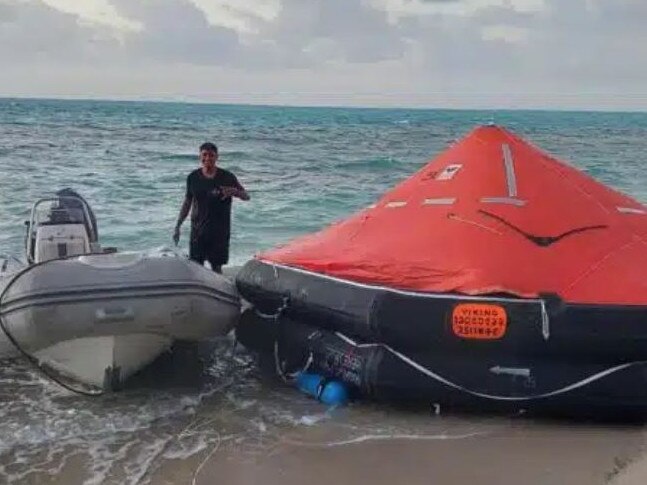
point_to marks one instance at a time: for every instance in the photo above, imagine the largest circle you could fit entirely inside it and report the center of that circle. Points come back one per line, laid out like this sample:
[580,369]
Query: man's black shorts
[214,251]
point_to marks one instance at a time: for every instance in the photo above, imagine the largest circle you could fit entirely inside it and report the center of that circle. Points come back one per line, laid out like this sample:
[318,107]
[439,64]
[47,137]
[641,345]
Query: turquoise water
[304,167]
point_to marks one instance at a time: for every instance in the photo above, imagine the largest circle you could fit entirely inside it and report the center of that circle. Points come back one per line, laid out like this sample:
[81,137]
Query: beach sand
[634,473]
[518,452]
[243,429]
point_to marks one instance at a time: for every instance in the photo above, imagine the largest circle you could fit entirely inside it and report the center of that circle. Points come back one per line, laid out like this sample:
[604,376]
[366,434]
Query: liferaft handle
[114,314]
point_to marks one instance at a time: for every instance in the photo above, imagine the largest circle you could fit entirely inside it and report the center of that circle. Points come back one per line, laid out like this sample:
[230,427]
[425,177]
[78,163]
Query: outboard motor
[79,207]
[61,226]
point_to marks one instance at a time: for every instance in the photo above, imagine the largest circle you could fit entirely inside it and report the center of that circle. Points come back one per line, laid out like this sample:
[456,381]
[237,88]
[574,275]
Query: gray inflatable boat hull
[101,318]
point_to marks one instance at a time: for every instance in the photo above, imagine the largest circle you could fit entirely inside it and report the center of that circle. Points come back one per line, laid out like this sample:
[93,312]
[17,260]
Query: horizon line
[153,100]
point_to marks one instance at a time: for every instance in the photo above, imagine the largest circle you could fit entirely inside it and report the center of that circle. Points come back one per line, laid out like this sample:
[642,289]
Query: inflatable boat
[98,317]
[496,274]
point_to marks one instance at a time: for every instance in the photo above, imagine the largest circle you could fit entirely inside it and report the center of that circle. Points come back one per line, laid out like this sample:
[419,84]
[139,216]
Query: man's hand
[176,235]
[226,192]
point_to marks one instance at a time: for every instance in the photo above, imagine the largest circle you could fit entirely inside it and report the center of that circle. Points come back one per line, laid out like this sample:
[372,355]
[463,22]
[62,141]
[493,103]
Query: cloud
[241,15]
[316,32]
[405,8]
[38,33]
[176,31]
[505,53]
[99,12]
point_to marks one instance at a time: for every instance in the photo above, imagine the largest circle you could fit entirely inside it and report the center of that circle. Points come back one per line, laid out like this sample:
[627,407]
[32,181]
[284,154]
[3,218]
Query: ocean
[304,168]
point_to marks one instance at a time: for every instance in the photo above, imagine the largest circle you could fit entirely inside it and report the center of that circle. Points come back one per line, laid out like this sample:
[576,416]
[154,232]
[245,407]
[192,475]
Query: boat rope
[278,312]
[279,366]
[545,321]
[94,392]
[449,383]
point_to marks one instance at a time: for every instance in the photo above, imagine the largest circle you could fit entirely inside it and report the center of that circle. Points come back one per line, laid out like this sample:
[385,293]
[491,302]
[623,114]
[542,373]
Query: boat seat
[60,240]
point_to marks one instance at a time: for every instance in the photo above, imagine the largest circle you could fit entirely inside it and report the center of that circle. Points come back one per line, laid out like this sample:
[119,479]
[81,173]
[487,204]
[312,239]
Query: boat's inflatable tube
[100,318]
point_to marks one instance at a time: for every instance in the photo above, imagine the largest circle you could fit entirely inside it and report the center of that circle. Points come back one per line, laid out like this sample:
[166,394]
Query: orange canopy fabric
[491,214]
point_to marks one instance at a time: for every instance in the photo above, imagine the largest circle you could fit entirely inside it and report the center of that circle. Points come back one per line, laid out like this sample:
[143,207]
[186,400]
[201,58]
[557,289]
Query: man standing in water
[209,192]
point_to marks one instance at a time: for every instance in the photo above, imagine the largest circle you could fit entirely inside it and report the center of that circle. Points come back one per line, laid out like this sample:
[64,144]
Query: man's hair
[210,147]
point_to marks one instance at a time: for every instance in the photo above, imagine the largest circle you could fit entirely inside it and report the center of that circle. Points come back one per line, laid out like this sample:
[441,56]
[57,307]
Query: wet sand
[635,473]
[237,427]
[527,453]
[339,449]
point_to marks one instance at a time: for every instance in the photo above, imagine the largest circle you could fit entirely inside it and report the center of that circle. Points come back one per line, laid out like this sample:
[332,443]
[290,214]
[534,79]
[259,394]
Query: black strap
[323,382]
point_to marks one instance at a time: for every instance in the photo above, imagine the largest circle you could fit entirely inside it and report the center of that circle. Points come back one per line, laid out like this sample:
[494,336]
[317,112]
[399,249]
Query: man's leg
[215,261]
[218,256]
[197,252]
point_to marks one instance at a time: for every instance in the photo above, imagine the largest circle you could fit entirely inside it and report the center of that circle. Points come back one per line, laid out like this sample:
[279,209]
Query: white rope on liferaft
[545,327]
[449,383]
[288,377]
[274,316]
[278,365]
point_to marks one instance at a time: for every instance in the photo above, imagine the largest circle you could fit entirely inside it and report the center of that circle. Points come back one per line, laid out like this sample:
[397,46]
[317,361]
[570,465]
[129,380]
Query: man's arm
[184,211]
[236,190]
[241,193]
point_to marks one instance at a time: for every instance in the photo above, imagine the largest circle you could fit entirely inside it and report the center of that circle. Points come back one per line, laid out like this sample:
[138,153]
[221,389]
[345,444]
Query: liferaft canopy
[492,214]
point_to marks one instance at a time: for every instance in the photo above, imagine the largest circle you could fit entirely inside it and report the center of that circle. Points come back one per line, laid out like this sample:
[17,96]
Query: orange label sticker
[479,321]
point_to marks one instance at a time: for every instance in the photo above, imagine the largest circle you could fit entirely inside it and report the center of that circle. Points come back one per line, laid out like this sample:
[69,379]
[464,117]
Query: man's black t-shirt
[210,214]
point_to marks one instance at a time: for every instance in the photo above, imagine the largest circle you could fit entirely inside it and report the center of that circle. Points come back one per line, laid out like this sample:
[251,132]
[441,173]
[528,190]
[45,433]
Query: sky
[501,54]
